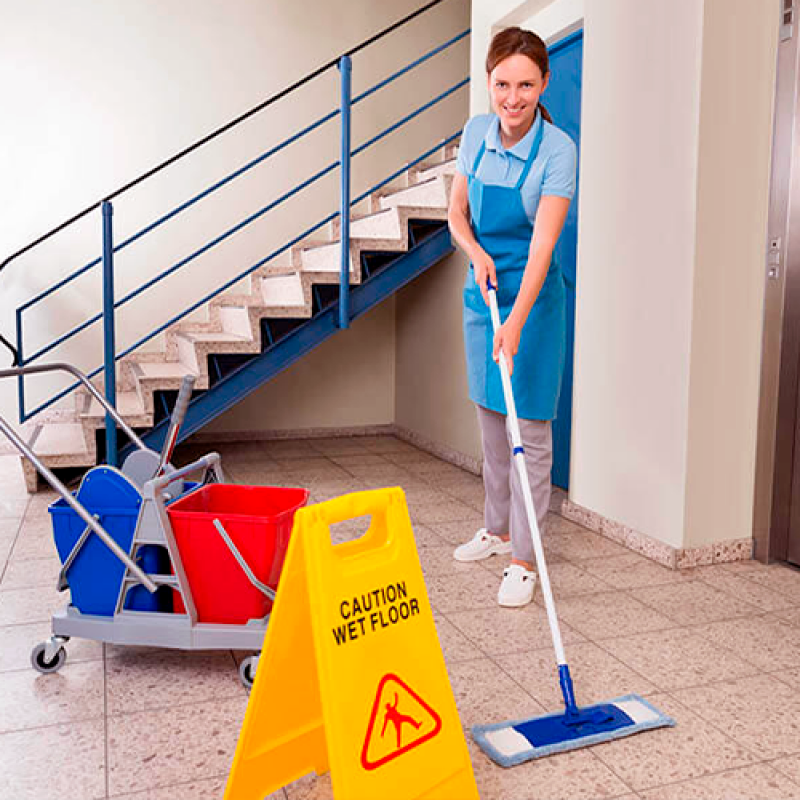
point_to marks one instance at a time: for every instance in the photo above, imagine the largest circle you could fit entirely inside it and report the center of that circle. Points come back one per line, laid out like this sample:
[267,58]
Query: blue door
[562,98]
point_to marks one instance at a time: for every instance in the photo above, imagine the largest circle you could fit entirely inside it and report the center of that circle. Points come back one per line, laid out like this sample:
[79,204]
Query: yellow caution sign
[352,677]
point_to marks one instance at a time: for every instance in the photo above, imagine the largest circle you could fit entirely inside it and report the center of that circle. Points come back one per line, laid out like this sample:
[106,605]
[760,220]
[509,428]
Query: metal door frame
[777,418]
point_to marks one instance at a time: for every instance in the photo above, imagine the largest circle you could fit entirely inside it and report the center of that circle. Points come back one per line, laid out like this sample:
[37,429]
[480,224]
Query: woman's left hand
[507,340]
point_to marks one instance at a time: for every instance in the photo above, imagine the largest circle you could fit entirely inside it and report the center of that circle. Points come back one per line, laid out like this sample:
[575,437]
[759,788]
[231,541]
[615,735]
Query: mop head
[511,743]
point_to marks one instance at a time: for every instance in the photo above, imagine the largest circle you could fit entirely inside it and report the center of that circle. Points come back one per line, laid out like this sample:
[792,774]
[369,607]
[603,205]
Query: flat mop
[511,743]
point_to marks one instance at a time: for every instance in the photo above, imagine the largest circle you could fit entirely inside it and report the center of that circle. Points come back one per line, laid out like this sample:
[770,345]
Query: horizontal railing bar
[227,285]
[182,207]
[63,282]
[411,116]
[227,234]
[405,167]
[409,67]
[131,295]
[255,162]
[214,134]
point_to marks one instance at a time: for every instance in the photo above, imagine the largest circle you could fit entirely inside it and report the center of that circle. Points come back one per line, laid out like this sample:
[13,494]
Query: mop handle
[519,461]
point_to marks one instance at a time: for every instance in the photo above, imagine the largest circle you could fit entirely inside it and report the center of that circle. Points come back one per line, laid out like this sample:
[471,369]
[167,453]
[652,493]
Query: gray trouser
[504,508]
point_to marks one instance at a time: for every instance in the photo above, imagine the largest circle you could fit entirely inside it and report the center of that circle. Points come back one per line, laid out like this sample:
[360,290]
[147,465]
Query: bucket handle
[262,587]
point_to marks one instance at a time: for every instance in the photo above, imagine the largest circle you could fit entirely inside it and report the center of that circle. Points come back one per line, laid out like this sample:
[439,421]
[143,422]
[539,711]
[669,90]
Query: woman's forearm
[462,232]
[532,281]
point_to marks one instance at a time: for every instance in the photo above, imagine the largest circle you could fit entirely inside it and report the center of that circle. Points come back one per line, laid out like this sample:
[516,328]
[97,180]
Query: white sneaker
[517,587]
[482,545]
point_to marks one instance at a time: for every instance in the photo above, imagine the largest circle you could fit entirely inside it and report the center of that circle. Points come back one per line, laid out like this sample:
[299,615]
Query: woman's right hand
[483,266]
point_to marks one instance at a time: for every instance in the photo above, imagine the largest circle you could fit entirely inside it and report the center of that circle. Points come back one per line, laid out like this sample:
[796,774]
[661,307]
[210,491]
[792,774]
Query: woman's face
[515,85]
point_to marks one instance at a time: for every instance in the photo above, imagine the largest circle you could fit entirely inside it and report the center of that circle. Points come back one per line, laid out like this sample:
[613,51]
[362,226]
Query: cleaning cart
[153,558]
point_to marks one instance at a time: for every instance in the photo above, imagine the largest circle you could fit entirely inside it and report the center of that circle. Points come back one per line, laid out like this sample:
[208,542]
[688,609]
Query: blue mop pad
[511,743]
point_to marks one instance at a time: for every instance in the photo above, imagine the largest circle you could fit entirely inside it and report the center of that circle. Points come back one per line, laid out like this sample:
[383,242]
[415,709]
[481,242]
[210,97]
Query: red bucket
[259,521]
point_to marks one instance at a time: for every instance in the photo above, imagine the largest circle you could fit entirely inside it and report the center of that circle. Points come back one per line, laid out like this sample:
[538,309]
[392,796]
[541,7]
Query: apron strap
[478,159]
[537,143]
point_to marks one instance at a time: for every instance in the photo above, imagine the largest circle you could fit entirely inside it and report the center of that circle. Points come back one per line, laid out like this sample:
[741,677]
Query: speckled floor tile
[766,642]
[779,578]
[359,459]
[498,631]
[339,445]
[581,544]
[485,694]
[448,511]
[791,615]
[31,572]
[577,775]
[789,677]
[425,537]
[601,616]
[37,604]
[692,749]
[789,766]
[168,678]
[597,676]
[631,571]
[456,533]
[311,787]
[693,602]
[677,658]
[31,700]
[388,472]
[17,641]
[12,508]
[455,646]
[753,592]
[9,527]
[11,478]
[35,540]
[759,782]
[439,561]
[759,712]
[59,761]
[459,591]
[211,789]
[160,748]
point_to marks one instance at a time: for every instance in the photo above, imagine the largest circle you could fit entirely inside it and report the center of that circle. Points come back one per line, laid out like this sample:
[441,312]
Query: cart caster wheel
[247,671]
[39,662]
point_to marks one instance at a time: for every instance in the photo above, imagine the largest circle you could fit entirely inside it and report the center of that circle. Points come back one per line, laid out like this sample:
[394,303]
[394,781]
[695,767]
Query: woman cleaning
[514,183]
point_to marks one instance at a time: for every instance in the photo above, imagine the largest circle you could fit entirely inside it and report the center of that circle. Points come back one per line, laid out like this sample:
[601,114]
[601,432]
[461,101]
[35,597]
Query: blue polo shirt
[552,173]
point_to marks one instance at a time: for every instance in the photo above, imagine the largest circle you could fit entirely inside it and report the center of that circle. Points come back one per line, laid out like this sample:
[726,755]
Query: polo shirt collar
[522,149]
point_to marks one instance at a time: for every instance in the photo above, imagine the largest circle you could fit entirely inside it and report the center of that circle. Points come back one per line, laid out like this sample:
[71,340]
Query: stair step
[283,290]
[129,405]
[383,225]
[445,168]
[325,258]
[61,443]
[431,193]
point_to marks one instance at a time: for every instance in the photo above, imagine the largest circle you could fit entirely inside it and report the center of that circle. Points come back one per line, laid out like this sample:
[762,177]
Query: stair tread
[61,439]
[216,336]
[129,404]
[165,369]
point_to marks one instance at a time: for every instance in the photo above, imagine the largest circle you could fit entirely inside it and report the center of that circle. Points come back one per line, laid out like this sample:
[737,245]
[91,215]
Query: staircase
[291,306]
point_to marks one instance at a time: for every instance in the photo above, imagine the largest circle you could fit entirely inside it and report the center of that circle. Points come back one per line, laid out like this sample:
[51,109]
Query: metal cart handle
[16,372]
[207,462]
[262,587]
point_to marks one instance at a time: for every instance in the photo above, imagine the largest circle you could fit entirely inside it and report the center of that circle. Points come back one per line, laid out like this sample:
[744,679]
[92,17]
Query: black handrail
[260,107]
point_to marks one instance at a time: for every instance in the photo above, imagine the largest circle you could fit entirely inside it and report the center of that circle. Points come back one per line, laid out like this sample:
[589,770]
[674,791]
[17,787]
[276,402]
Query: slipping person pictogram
[394,716]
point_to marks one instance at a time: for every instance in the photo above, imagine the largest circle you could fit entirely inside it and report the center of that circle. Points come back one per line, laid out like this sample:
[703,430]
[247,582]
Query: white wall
[94,94]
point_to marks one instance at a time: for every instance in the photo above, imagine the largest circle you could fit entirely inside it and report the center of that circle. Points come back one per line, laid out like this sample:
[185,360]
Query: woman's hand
[484,268]
[507,340]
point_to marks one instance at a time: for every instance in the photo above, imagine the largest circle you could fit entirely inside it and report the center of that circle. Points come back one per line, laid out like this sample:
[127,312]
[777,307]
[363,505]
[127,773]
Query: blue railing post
[345,67]
[109,347]
[21,361]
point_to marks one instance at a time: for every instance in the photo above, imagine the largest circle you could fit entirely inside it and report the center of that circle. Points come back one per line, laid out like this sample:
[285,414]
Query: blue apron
[503,230]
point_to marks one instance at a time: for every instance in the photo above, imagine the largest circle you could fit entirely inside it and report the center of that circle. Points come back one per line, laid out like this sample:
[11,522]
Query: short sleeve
[559,172]
[464,159]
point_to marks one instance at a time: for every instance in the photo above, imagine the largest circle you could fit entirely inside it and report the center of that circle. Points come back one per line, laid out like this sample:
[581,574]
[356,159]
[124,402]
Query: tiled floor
[718,648]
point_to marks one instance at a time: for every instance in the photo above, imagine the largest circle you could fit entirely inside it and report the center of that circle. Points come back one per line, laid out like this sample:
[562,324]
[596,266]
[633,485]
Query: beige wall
[96,94]
[432,399]
[737,91]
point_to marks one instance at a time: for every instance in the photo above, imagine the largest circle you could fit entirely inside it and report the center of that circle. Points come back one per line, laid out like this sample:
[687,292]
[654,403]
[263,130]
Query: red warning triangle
[400,720]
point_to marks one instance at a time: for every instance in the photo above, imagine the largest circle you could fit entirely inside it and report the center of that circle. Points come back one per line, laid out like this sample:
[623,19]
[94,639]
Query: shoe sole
[467,559]
[518,604]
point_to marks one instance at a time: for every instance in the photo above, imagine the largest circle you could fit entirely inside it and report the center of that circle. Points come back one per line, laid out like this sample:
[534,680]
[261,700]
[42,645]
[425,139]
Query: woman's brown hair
[511,41]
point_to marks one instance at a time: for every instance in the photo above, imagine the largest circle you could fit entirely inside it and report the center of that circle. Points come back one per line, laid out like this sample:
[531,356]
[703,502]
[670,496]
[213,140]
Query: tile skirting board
[229,437]
[454,457]
[664,554]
